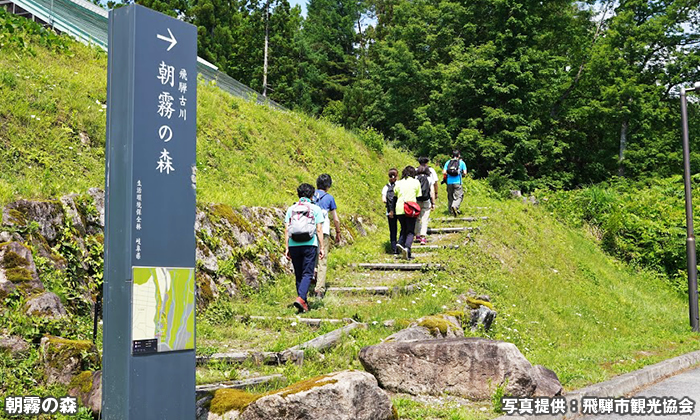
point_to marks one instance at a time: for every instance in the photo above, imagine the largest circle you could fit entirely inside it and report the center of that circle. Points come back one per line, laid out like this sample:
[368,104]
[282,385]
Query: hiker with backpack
[423,161]
[426,200]
[407,209]
[303,233]
[327,204]
[389,199]
[454,169]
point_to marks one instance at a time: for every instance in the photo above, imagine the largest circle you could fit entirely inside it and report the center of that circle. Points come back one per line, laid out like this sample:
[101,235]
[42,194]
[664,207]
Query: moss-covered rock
[226,400]
[87,387]
[347,395]
[48,215]
[65,359]
[17,267]
[45,305]
[474,303]
[441,326]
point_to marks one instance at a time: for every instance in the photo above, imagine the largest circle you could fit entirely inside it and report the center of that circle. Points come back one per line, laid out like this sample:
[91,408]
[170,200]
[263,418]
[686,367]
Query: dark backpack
[424,187]
[390,198]
[453,167]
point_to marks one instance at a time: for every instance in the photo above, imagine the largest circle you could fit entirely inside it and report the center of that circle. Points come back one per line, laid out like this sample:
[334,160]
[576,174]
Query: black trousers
[408,227]
[392,231]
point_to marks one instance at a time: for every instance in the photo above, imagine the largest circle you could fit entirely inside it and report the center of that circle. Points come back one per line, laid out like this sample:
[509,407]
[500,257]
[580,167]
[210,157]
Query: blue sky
[302,3]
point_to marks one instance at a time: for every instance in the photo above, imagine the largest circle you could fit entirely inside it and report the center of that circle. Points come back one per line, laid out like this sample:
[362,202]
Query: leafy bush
[373,139]
[642,223]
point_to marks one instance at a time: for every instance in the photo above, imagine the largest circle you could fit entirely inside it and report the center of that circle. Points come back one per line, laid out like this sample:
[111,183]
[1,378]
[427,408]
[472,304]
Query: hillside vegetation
[564,302]
[53,113]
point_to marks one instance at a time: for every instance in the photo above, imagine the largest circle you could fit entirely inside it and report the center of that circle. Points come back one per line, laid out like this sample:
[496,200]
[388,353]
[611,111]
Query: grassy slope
[560,299]
[246,154]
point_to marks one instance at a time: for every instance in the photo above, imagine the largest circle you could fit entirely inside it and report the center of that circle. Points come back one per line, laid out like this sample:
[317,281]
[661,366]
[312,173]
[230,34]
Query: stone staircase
[366,283]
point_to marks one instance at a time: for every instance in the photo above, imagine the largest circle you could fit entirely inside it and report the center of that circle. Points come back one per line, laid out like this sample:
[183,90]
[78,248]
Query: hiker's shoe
[423,240]
[408,254]
[320,294]
[301,305]
[404,252]
[453,211]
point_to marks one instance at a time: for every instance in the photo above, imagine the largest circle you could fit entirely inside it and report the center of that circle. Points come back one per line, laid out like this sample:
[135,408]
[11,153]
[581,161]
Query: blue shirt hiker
[455,179]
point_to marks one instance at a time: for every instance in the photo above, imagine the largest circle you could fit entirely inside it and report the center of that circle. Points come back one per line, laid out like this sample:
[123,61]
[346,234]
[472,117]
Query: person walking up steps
[423,161]
[327,204]
[303,233]
[407,209]
[426,200]
[389,199]
[454,169]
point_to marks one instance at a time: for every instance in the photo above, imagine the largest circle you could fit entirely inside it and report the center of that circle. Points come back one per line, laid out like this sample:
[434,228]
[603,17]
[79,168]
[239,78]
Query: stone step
[266,358]
[242,384]
[397,266]
[451,229]
[459,219]
[378,290]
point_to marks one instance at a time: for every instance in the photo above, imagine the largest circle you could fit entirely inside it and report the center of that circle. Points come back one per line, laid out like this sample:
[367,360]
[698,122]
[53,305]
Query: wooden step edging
[427,247]
[328,340]
[242,384]
[266,358]
[458,219]
[451,229]
[376,290]
[397,266]
[312,322]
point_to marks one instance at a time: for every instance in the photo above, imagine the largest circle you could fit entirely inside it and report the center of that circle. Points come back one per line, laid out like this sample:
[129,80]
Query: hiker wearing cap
[454,169]
[389,200]
[407,209]
[303,233]
[327,204]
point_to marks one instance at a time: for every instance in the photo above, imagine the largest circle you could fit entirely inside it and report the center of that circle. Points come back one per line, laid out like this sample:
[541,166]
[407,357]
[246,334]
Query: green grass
[560,299]
[53,114]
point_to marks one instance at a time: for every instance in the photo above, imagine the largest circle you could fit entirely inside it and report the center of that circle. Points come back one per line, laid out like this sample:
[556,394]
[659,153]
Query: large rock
[13,345]
[17,268]
[87,387]
[47,214]
[46,305]
[347,395]
[73,213]
[467,367]
[65,359]
[96,220]
[547,382]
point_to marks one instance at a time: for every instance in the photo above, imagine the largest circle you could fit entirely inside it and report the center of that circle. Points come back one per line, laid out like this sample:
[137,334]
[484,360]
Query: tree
[328,35]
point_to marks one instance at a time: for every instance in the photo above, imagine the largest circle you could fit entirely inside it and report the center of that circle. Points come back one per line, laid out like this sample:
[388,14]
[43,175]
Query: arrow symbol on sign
[171,40]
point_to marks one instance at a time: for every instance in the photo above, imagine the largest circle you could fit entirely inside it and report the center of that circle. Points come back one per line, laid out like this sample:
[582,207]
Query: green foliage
[373,139]
[642,223]
[20,34]
[497,398]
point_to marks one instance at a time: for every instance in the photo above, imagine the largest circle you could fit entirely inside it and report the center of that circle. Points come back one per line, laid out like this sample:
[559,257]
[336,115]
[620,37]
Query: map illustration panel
[163,303]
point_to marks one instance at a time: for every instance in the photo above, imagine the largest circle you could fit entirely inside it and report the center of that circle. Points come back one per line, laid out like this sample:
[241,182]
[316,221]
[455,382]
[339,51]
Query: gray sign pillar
[149,301]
